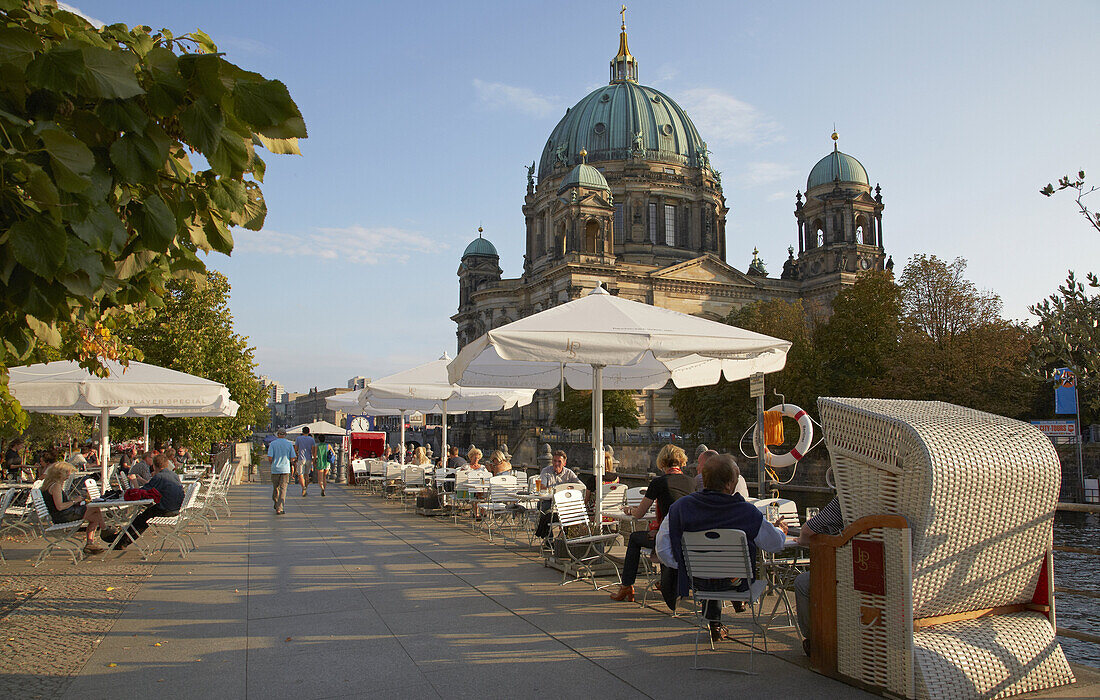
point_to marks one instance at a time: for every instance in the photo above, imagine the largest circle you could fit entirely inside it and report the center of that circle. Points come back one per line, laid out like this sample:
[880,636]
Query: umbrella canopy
[602,341]
[427,388]
[66,388]
[317,427]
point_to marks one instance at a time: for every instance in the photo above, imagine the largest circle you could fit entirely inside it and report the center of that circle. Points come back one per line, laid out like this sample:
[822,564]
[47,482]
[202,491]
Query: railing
[1064,631]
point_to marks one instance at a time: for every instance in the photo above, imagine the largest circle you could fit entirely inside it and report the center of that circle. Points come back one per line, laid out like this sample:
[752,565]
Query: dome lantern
[624,67]
[481,246]
[837,167]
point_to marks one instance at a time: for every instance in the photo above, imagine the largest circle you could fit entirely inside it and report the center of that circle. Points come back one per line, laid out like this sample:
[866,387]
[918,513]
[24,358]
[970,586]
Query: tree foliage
[1076,184]
[193,332]
[930,336]
[575,412]
[1067,334]
[726,407]
[100,206]
[45,430]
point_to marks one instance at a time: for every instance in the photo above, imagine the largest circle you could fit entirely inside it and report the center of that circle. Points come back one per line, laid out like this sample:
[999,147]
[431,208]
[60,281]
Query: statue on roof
[559,156]
[531,174]
[639,145]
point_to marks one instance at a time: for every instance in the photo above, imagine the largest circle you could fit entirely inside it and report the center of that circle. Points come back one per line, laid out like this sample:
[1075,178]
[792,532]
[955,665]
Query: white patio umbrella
[602,341]
[426,388]
[65,387]
[318,427]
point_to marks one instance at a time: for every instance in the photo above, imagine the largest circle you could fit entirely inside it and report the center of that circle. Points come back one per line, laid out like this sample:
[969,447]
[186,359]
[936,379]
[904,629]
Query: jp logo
[862,559]
[571,347]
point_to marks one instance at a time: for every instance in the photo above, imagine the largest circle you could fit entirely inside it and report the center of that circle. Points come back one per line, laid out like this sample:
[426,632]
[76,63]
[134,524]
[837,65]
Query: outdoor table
[15,485]
[780,575]
[127,513]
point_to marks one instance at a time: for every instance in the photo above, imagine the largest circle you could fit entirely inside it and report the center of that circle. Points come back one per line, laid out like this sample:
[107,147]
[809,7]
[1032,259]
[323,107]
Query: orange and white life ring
[805,437]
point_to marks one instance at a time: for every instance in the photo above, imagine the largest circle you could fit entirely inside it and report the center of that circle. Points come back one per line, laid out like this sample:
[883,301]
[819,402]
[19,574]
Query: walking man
[307,450]
[281,452]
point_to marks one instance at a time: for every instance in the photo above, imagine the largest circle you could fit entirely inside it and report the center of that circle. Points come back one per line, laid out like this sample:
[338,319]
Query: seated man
[828,521]
[719,507]
[167,482]
[557,473]
[141,470]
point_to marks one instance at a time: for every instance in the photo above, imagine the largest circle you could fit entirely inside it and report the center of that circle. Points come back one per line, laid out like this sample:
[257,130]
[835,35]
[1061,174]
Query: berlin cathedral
[624,195]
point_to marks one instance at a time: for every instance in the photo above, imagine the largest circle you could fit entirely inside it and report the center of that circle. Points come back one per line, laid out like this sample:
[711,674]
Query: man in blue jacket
[719,507]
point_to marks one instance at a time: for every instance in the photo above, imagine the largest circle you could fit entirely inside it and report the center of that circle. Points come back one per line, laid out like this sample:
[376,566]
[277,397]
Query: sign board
[756,385]
[1057,428]
[868,566]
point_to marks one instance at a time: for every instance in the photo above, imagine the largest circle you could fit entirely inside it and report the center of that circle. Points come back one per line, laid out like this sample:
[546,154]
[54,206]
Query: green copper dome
[481,246]
[618,121]
[584,176]
[837,166]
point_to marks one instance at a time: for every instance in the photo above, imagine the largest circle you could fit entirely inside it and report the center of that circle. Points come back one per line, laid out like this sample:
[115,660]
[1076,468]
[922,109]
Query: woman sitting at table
[419,458]
[63,510]
[664,490]
[476,468]
[499,464]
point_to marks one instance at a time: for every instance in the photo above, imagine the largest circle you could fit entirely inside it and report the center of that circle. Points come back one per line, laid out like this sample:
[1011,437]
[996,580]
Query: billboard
[1065,392]
[1057,428]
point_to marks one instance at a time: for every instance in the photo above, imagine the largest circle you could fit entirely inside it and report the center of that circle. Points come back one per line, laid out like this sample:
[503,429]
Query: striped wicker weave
[979,492]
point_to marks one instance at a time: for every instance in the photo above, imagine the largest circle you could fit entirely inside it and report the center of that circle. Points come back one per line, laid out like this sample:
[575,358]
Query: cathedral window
[652,222]
[670,225]
[619,235]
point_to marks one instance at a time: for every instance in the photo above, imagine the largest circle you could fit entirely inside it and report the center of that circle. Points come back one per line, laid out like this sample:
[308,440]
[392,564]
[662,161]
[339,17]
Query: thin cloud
[98,24]
[242,45]
[355,244]
[778,196]
[725,120]
[767,173]
[519,99]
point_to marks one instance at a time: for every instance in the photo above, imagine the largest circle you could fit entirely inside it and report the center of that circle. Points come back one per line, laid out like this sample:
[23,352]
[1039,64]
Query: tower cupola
[624,67]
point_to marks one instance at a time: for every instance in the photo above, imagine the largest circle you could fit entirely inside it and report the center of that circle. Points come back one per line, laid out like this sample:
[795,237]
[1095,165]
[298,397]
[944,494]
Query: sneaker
[92,548]
[278,512]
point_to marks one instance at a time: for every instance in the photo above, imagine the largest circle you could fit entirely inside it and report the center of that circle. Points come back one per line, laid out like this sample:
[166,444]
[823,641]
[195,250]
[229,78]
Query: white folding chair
[92,487]
[57,535]
[377,479]
[17,519]
[414,481]
[173,527]
[722,554]
[583,549]
[502,498]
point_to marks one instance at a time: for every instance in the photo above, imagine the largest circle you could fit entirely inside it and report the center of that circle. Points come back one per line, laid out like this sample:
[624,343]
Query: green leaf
[46,332]
[202,125]
[295,127]
[137,158]
[254,212]
[102,230]
[70,160]
[39,245]
[278,146]
[57,70]
[230,158]
[219,236]
[264,104]
[122,115]
[206,44]
[18,45]
[110,73]
[157,224]
[40,187]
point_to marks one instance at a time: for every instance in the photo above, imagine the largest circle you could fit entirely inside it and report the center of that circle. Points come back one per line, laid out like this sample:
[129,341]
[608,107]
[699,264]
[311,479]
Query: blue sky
[423,115]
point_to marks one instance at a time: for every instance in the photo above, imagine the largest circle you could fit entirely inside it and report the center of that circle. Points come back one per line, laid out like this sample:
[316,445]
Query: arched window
[818,235]
[591,236]
[864,234]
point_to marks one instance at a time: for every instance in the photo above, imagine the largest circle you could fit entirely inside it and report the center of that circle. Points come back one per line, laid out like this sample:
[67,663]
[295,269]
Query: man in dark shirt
[167,482]
[828,521]
[454,461]
[13,462]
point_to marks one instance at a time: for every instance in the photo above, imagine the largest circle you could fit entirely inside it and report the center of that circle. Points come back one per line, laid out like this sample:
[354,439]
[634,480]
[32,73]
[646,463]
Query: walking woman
[325,459]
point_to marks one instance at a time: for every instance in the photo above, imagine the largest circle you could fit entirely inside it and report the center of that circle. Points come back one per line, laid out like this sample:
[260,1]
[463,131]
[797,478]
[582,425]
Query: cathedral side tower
[839,228]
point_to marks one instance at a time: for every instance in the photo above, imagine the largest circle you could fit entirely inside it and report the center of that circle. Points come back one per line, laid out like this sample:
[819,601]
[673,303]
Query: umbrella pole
[402,457]
[104,446]
[761,479]
[443,436]
[145,421]
[597,439]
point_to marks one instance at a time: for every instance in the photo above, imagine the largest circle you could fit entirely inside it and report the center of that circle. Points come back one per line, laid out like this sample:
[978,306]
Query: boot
[625,593]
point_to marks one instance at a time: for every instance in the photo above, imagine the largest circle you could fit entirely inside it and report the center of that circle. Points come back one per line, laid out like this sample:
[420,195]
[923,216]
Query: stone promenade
[348,596]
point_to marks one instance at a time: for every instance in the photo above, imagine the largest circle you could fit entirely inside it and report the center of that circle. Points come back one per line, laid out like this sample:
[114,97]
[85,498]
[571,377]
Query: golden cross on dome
[623,13]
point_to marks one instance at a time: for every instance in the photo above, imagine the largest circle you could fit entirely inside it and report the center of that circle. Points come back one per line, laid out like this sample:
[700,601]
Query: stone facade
[645,216]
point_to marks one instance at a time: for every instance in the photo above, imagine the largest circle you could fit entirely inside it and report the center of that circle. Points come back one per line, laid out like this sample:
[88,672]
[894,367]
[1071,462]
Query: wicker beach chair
[941,585]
